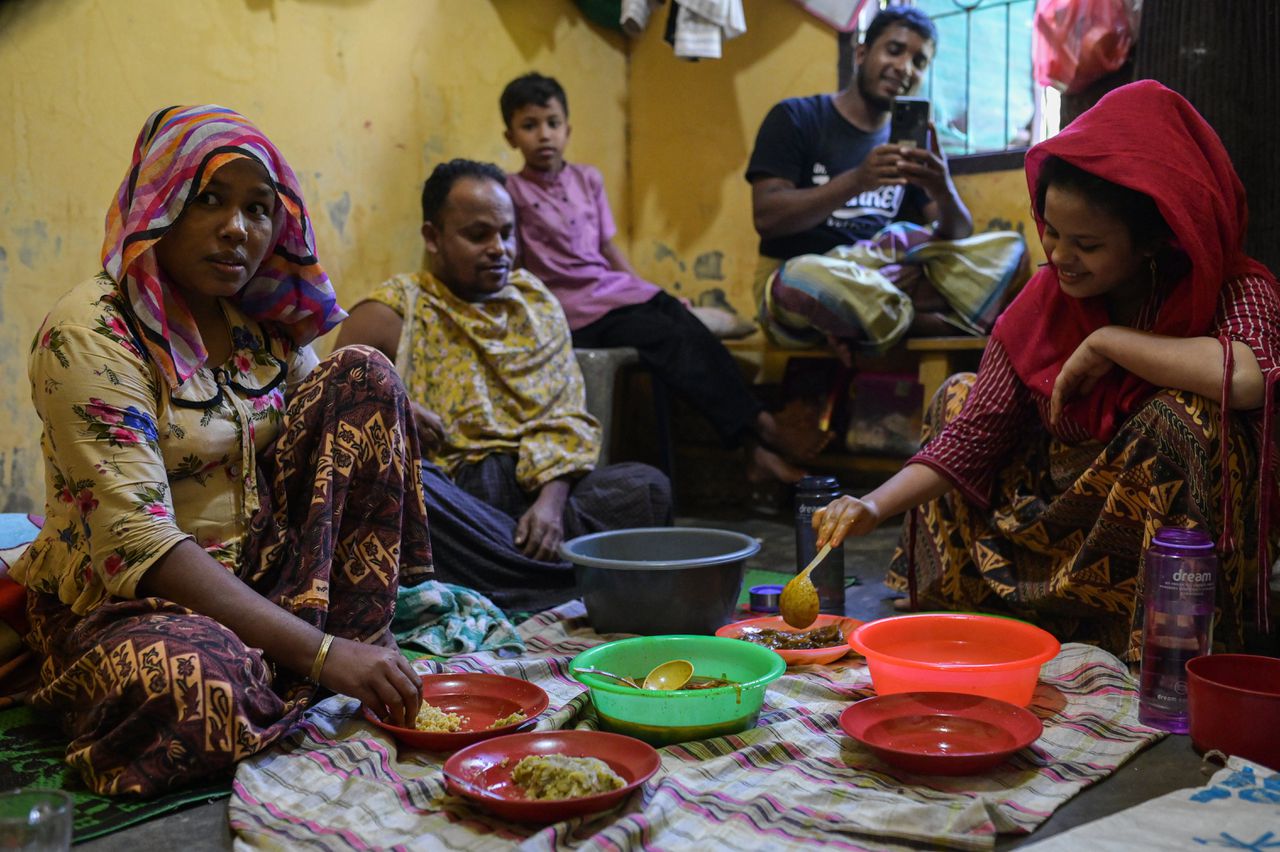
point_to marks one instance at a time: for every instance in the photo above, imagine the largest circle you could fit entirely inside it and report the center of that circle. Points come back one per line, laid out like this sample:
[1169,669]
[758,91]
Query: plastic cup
[35,820]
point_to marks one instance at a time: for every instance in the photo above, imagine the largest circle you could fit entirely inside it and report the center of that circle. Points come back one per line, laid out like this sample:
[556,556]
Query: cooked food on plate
[436,721]
[820,637]
[517,716]
[557,776]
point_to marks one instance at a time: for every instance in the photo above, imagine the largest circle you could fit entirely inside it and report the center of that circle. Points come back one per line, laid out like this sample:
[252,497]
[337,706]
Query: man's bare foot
[764,465]
[795,441]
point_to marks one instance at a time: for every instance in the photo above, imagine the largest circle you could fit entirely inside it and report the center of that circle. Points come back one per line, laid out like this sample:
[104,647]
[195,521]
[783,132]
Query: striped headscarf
[176,154]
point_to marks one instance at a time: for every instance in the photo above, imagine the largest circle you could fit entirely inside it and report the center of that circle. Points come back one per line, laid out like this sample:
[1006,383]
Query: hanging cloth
[703,25]
[635,15]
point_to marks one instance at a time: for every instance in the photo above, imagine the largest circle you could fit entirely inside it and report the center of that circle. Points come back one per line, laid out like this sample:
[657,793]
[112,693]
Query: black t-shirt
[807,141]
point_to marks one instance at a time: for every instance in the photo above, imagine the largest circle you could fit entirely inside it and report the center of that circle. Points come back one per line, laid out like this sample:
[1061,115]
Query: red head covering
[1149,139]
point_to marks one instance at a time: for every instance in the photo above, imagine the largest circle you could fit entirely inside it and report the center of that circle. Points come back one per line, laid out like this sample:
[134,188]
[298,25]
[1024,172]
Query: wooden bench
[936,357]
[603,369]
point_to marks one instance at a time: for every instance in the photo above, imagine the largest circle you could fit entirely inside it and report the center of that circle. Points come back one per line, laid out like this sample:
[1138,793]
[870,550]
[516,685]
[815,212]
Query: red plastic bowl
[806,657]
[482,698]
[940,733]
[484,770]
[1233,705]
[955,652]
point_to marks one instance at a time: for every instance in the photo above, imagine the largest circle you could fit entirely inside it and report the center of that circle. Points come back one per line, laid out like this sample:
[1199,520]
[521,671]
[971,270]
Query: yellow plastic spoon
[799,599]
[669,675]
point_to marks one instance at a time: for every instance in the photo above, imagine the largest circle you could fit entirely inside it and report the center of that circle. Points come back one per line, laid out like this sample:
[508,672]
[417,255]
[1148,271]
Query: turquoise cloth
[444,619]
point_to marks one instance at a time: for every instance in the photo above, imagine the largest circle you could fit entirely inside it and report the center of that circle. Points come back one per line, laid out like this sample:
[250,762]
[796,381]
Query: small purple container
[765,598]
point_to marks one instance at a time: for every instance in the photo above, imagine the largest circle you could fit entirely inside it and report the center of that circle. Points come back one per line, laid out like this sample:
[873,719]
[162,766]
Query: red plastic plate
[809,657]
[941,733]
[485,772]
[482,698]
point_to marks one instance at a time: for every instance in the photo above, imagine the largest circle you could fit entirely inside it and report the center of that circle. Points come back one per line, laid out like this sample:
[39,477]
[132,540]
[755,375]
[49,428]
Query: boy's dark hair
[905,16]
[437,187]
[531,89]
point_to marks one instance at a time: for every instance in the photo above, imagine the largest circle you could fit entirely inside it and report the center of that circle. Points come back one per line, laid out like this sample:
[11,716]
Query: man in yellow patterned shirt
[487,358]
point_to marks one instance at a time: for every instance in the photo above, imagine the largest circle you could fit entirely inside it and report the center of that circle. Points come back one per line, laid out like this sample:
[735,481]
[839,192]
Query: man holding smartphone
[826,175]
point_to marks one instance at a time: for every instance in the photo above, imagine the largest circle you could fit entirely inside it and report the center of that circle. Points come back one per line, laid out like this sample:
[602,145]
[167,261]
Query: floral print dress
[300,478]
[133,470]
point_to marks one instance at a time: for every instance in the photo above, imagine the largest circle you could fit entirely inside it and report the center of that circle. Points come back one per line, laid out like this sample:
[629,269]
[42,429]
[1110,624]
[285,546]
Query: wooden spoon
[799,599]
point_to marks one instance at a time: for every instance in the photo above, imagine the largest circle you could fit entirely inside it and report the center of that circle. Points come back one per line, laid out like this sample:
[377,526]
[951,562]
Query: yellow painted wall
[999,202]
[363,96]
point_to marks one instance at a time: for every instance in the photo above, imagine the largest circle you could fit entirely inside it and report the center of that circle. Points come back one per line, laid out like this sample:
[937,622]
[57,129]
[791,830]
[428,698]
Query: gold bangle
[318,663]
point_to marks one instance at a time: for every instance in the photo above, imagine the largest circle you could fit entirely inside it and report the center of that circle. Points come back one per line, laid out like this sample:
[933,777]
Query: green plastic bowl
[662,718]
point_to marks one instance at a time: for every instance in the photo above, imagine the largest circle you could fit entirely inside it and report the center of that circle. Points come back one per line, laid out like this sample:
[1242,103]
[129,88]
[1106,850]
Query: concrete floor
[1169,765]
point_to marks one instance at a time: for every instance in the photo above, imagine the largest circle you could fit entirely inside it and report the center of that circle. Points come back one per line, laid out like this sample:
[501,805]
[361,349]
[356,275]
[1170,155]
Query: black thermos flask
[812,494]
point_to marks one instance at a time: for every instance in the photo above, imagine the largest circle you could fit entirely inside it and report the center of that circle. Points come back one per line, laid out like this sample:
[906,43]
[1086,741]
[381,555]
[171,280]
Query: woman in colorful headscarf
[1128,387]
[227,520]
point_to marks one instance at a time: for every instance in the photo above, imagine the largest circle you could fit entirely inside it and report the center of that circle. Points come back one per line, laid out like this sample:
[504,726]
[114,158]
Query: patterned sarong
[793,782]
[871,291]
[156,696]
[1062,543]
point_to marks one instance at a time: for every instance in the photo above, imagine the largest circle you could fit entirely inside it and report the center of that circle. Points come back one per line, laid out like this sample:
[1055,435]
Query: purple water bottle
[1179,581]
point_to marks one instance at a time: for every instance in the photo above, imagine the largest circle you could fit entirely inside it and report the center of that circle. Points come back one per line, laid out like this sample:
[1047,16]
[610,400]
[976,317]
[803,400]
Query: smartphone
[910,123]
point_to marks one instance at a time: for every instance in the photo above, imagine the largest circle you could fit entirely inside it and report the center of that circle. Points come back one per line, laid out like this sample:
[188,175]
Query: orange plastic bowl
[955,652]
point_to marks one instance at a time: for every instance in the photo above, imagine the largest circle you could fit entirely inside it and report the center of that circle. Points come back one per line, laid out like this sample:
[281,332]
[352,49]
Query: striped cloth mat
[793,782]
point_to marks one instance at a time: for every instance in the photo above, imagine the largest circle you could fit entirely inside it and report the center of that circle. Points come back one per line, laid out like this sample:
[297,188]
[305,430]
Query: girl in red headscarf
[1128,387]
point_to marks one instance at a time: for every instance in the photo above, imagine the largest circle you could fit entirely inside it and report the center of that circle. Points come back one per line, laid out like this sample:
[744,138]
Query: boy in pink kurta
[566,235]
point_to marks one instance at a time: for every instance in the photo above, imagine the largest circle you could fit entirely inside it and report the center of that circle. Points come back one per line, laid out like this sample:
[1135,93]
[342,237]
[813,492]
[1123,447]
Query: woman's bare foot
[764,465]
[794,441]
